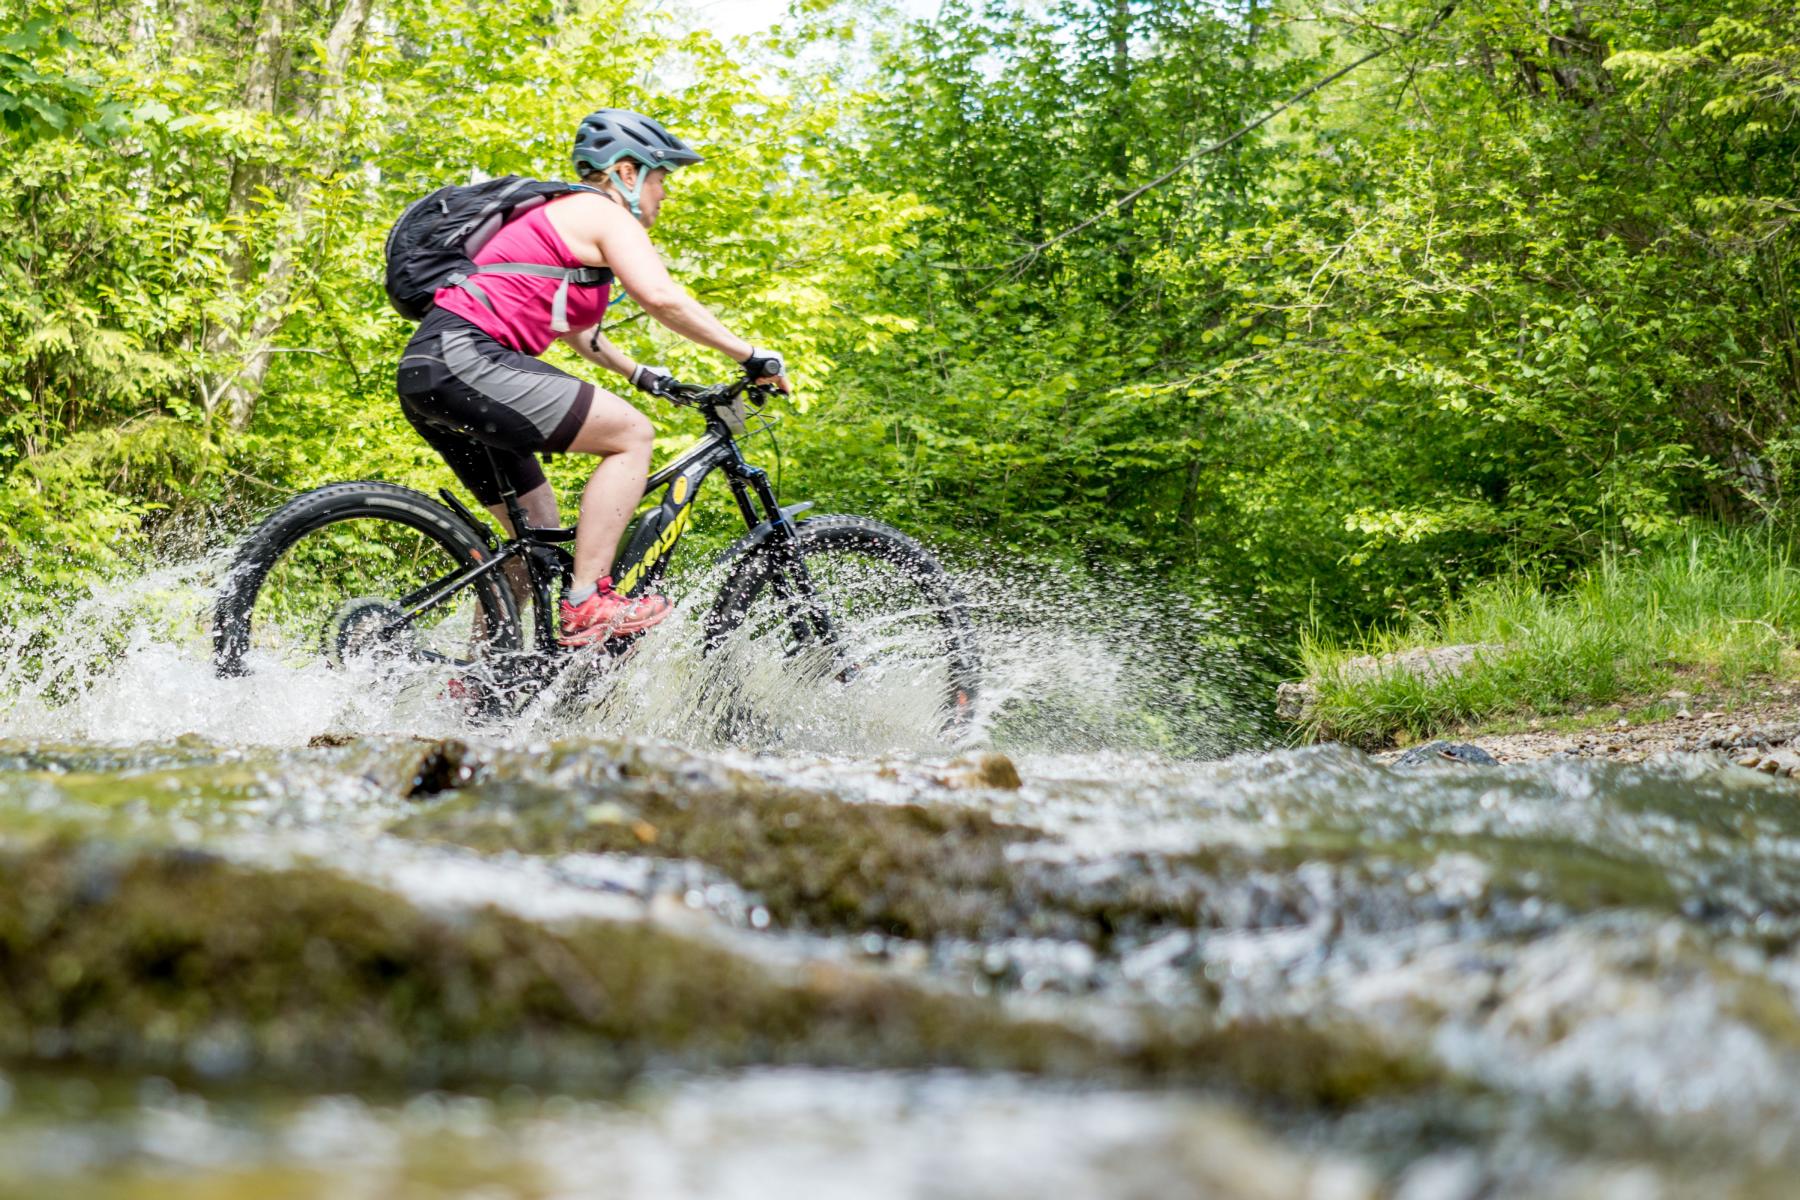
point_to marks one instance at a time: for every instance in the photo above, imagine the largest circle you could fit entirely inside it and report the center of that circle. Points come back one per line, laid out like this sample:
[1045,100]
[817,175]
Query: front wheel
[868,615]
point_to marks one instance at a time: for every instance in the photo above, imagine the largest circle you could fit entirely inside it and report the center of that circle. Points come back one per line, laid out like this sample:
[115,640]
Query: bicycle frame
[648,542]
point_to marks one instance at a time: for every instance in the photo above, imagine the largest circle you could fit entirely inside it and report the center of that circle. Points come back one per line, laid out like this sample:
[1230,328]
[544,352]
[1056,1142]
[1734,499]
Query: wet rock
[190,963]
[988,770]
[443,767]
[909,870]
[199,964]
[1294,701]
[1459,753]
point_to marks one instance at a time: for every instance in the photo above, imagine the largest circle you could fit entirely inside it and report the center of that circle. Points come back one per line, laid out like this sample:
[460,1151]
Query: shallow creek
[318,940]
[395,966]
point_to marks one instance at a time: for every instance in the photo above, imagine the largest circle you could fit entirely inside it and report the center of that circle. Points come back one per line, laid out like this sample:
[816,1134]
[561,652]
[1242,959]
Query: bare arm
[592,345]
[627,250]
[602,233]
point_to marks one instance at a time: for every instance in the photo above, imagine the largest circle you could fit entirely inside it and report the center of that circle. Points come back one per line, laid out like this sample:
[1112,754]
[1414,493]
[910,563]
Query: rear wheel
[899,646]
[325,577]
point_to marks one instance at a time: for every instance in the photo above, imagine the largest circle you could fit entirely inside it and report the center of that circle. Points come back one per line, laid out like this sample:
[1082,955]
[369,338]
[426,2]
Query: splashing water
[1063,666]
[1562,979]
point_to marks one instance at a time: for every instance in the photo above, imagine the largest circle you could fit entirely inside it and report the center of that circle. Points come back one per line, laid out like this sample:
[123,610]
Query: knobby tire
[758,567]
[312,511]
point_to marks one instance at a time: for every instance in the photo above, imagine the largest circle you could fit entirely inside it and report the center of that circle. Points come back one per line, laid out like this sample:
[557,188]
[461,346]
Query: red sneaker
[606,614]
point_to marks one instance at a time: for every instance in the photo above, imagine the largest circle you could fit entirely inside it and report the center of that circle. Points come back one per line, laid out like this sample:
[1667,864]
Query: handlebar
[718,395]
[724,404]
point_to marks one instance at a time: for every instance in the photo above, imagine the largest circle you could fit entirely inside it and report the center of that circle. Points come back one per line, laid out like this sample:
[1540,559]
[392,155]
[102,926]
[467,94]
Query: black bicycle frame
[647,544]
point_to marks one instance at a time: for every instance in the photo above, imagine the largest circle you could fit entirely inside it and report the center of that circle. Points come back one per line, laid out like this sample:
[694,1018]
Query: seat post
[509,496]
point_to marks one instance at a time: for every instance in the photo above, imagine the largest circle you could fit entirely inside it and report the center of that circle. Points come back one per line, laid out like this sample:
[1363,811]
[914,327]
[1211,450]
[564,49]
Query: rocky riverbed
[312,934]
[386,965]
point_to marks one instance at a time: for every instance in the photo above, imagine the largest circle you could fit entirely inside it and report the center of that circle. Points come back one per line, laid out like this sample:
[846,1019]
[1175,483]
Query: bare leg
[540,511]
[623,435]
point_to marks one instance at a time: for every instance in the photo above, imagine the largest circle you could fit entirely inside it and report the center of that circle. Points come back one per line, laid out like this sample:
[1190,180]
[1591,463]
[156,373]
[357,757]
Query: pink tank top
[520,318]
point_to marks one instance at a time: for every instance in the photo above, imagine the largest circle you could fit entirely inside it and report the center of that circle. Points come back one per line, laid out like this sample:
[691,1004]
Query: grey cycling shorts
[486,408]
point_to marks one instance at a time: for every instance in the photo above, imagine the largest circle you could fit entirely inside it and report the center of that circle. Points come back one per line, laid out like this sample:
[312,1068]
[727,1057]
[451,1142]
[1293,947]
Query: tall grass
[1717,607]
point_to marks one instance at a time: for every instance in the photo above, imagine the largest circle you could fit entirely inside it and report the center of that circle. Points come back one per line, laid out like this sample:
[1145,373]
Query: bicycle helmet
[611,134]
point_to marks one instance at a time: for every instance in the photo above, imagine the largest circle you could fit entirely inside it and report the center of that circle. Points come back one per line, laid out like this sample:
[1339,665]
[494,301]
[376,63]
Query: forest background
[1514,292]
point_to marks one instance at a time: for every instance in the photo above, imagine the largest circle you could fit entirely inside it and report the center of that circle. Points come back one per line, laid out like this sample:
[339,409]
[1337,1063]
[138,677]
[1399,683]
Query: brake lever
[675,392]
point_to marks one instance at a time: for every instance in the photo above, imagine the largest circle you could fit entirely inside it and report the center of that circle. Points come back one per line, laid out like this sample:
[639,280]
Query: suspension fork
[791,581]
[550,571]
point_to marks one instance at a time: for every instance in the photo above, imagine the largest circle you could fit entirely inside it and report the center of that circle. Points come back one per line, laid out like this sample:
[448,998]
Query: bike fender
[759,534]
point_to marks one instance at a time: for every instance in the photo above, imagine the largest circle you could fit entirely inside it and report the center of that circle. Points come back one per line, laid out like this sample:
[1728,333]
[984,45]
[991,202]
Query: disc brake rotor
[355,631]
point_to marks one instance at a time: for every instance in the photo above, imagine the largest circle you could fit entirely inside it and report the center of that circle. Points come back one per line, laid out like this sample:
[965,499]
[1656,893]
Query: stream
[313,933]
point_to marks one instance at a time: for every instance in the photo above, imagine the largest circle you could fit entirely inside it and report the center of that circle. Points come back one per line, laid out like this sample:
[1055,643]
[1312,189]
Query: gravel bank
[1763,733]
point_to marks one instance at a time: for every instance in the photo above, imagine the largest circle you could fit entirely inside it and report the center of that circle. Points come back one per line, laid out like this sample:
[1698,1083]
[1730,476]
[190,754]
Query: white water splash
[1062,668]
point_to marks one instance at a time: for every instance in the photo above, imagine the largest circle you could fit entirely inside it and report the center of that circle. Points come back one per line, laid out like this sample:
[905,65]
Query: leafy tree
[1515,289]
[193,315]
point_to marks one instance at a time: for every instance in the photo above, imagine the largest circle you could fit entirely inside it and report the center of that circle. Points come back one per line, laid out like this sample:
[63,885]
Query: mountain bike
[374,572]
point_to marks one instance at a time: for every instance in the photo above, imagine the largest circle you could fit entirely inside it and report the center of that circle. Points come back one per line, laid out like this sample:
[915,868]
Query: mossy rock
[909,870]
[178,960]
[180,963]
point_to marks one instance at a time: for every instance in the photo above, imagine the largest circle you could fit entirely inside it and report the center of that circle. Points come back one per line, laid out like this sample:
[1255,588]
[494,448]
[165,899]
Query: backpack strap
[496,204]
[559,304]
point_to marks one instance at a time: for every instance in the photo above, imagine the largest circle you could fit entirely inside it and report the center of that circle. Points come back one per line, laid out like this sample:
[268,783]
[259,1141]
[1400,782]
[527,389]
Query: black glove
[651,379]
[763,363]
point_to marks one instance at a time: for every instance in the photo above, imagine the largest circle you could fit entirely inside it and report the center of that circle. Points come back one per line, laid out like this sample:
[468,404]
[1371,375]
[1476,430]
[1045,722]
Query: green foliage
[1711,608]
[1519,282]
[1019,411]
[38,98]
[1526,307]
[1516,291]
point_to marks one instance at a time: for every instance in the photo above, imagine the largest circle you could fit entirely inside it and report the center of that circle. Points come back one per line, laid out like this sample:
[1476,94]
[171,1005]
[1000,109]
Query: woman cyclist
[472,385]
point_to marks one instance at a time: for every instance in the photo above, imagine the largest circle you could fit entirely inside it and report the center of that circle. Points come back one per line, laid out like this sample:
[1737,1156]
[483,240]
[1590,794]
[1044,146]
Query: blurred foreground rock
[178,961]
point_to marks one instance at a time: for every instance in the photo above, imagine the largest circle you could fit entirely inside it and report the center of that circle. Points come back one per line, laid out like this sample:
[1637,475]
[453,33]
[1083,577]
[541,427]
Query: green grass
[1716,609]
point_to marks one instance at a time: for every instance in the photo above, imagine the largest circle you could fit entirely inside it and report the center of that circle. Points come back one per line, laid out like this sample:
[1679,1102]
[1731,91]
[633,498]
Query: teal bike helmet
[612,134]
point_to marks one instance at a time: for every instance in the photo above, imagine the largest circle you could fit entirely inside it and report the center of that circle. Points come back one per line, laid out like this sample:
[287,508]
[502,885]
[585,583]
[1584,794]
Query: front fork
[792,583]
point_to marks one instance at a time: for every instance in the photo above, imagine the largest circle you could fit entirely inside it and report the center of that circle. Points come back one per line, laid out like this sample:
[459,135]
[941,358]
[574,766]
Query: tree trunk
[340,46]
[262,86]
[1118,32]
[184,25]
[242,393]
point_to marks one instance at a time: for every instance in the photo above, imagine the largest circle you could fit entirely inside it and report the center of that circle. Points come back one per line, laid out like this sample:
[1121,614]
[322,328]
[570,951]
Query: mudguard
[758,535]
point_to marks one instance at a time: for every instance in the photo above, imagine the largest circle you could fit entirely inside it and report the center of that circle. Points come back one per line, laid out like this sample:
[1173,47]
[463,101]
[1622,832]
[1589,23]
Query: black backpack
[434,243]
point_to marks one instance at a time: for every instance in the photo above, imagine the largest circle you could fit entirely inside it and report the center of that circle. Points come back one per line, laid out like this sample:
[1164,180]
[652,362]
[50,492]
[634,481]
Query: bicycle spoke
[353,587]
[873,634]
